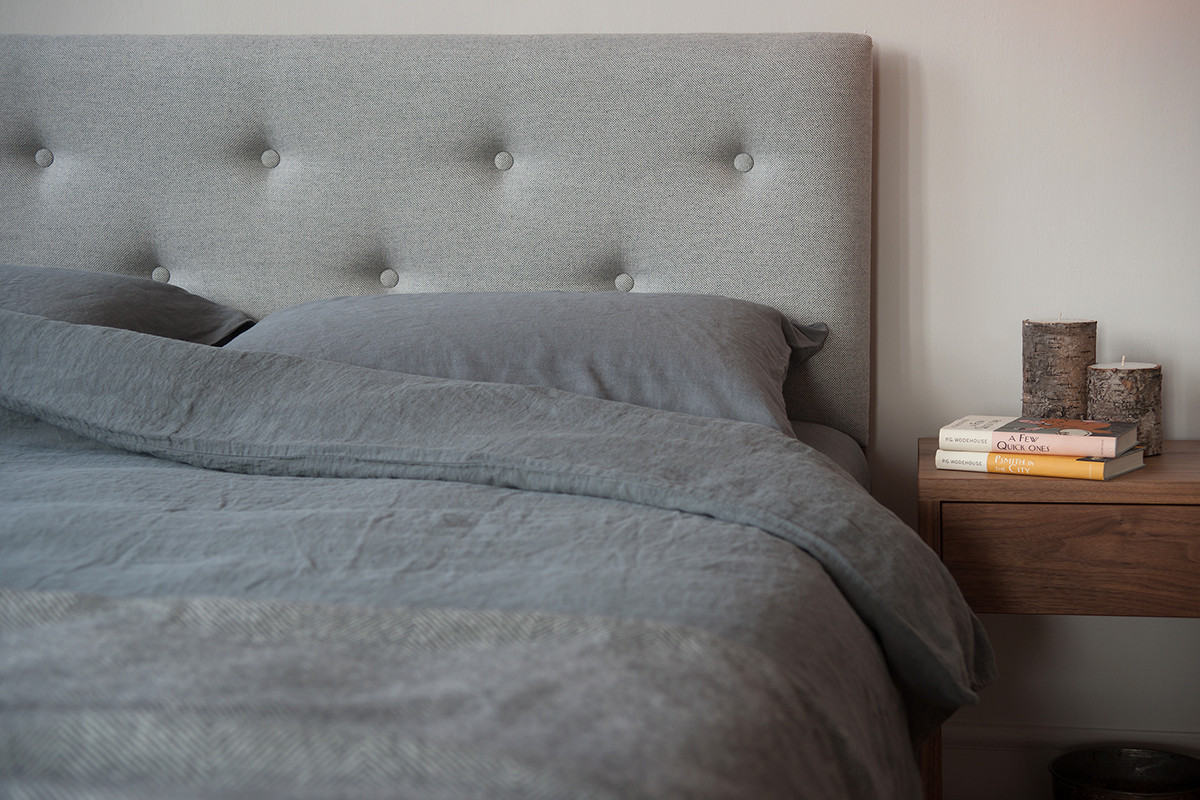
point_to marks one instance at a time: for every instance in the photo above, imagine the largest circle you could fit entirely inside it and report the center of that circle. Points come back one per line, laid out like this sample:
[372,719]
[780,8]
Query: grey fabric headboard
[266,171]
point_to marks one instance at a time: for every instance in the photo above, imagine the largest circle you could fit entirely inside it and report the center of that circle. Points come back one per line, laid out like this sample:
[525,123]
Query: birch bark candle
[1056,357]
[1129,392]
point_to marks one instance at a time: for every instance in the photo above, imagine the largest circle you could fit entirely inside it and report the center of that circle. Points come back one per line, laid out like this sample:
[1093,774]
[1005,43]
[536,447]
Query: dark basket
[1120,773]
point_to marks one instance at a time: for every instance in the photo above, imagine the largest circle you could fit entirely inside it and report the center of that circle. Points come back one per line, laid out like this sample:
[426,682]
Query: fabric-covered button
[161,274]
[504,160]
[270,159]
[624,282]
[43,157]
[389,278]
[743,162]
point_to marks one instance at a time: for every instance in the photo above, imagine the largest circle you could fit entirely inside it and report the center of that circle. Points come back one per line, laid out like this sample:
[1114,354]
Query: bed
[451,416]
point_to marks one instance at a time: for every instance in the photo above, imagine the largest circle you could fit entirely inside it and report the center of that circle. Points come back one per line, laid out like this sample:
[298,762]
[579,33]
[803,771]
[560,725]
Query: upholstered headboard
[266,171]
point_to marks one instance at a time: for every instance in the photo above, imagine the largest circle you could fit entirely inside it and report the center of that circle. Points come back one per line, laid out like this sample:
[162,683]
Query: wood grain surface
[1022,544]
[1131,560]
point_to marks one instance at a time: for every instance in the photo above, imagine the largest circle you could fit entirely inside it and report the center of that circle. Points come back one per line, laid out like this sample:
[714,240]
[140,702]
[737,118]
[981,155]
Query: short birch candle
[1129,392]
[1056,356]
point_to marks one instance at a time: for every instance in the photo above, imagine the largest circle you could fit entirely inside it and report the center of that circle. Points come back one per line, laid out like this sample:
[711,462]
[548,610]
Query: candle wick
[1122,361]
[1060,316]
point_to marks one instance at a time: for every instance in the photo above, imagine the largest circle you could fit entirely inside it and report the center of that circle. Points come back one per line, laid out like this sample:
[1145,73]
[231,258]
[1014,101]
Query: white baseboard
[998,762]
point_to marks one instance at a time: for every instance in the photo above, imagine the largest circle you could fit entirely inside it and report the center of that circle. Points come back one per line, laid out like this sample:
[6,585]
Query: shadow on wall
[1072,683]
[898,258]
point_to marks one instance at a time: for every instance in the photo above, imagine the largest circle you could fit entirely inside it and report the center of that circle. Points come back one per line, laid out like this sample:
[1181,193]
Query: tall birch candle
[1056,356]
[1129,392]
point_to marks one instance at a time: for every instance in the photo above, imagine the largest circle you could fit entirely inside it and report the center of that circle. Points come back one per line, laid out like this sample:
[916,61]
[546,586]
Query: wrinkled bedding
[247,574]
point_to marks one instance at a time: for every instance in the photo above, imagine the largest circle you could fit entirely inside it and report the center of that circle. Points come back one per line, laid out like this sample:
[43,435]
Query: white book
[1018,435]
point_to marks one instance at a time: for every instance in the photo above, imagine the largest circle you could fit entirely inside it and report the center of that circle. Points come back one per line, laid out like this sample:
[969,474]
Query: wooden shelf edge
[1167,479]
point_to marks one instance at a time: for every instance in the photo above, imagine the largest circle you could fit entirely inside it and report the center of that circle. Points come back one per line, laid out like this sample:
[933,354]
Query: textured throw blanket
[337,694]
[209,690]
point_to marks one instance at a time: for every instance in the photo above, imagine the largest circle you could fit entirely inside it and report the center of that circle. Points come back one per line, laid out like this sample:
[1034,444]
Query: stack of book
[1058,448]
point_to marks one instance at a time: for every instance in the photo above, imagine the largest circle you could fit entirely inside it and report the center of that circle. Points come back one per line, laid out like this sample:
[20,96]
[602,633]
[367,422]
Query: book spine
[1029,444]
[1003,463]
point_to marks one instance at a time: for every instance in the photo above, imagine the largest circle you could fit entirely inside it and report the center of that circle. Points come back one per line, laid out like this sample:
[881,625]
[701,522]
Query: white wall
[1035,157]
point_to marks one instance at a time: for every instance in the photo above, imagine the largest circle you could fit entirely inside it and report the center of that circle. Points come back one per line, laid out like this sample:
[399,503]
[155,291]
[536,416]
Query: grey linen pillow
[118,301]
[697,354]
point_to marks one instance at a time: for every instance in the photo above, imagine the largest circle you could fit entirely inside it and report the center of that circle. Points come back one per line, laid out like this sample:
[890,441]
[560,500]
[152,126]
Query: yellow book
[1096,469]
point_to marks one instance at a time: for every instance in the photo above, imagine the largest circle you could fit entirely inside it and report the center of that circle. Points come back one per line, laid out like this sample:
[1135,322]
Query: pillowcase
[698,354]
[118,301]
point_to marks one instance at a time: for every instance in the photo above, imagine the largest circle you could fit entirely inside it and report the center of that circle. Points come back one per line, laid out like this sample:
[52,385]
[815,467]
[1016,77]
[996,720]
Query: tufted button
[161,274]
[270,159]
[504,161]
[389,278]
[743,162]
[43,157]
[624,282]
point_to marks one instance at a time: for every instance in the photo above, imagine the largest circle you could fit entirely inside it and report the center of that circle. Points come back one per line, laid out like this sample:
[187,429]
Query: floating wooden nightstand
[1020,544]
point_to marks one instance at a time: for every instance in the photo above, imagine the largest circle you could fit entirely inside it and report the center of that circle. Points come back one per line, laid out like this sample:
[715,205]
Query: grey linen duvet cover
[246,574]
